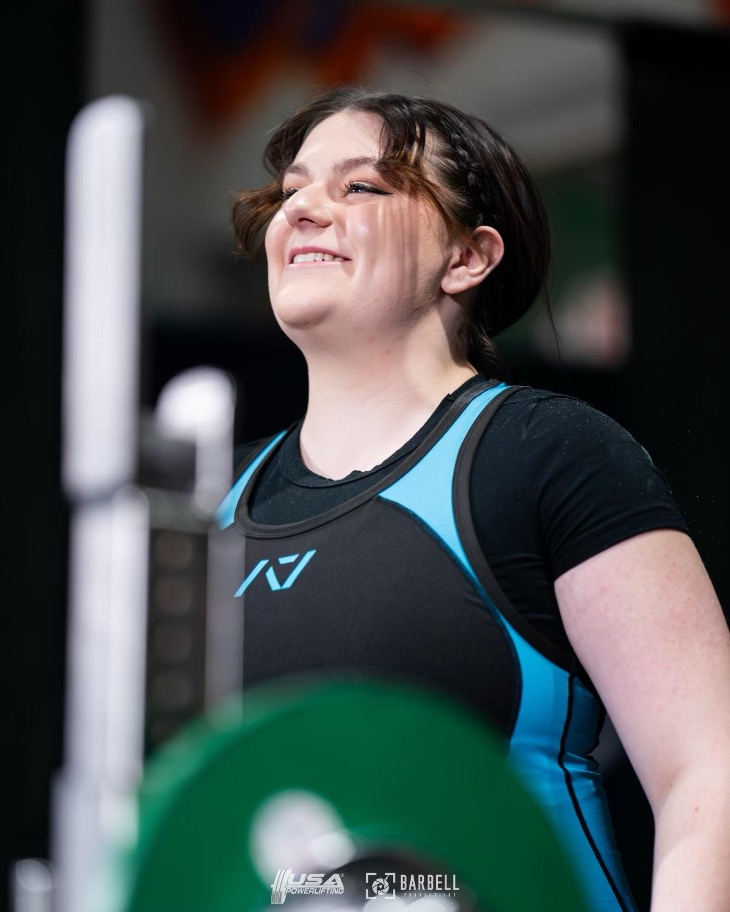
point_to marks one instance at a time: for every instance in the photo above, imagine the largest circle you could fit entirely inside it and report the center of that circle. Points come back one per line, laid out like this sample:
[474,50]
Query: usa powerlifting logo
[287,882]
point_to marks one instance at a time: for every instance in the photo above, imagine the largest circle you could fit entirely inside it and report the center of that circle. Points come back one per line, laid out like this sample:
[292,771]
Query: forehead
[346,133]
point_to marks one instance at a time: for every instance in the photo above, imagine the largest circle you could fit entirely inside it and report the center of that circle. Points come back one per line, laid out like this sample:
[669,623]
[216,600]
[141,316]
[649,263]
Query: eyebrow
[340,167]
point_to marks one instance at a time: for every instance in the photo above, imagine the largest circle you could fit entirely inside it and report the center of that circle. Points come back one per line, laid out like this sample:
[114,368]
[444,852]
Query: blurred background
[618,106]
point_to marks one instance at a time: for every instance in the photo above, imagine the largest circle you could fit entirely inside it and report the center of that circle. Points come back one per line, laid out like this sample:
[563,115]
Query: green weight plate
[408,778]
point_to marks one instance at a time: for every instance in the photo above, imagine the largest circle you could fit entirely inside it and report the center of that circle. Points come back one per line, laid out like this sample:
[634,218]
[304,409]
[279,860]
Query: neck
[363,406]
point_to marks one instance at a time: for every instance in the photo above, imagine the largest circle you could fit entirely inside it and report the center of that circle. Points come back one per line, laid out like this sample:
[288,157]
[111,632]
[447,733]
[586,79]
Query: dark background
[673,207]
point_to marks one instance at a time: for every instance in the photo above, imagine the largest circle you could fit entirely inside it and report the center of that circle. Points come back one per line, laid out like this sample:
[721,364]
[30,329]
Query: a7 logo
[299,561]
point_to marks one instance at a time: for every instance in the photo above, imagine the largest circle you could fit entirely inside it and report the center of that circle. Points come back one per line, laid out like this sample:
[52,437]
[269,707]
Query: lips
[314,255]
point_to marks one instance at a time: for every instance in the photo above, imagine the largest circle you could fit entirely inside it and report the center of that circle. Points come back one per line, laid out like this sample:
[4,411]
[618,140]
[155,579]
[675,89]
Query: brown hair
[480,180]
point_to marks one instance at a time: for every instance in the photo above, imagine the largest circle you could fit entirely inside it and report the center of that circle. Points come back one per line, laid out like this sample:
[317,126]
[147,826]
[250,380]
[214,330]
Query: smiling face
[347,252]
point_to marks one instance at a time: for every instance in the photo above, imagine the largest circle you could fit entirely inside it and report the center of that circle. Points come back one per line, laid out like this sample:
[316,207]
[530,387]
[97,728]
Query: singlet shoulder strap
[227,509]
[468,536]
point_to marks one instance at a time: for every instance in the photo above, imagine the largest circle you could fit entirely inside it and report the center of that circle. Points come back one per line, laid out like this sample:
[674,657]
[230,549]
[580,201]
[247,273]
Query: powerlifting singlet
[393,583]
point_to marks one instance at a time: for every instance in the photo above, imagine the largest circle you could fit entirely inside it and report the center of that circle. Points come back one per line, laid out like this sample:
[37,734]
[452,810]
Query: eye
[365,187]
[287,192]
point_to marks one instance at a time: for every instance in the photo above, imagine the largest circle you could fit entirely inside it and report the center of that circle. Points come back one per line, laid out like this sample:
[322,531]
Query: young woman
[512,547]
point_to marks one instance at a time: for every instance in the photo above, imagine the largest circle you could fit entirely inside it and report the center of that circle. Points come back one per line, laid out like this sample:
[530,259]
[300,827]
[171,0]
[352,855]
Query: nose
[309,204]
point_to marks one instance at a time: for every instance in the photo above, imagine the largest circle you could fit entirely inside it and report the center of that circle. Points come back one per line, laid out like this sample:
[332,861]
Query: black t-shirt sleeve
[554,482]
[599,486]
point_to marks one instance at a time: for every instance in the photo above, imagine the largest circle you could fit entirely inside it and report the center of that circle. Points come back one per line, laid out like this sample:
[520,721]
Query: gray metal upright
[93,803]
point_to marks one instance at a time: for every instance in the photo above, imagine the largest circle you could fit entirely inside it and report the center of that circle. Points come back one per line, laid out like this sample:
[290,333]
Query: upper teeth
[316,257]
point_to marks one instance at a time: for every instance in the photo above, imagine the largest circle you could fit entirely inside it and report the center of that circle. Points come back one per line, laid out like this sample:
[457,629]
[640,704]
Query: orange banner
[227,52]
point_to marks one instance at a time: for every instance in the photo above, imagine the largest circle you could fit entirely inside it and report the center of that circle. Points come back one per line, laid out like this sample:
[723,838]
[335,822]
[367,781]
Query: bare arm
[645,622]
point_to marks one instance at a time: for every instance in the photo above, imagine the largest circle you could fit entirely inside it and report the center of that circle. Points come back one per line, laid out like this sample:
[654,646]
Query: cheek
[274,237]
[363,231]
[381,236]
[409,233]
[274,249]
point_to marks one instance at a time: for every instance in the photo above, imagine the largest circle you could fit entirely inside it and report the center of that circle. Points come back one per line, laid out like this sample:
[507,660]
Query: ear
[471,264]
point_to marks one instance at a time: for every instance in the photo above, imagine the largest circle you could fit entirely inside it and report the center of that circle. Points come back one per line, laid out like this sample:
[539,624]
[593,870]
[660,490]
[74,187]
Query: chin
[300,314]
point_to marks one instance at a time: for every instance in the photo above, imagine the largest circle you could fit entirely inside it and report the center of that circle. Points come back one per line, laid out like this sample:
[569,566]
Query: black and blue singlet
[437,567]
